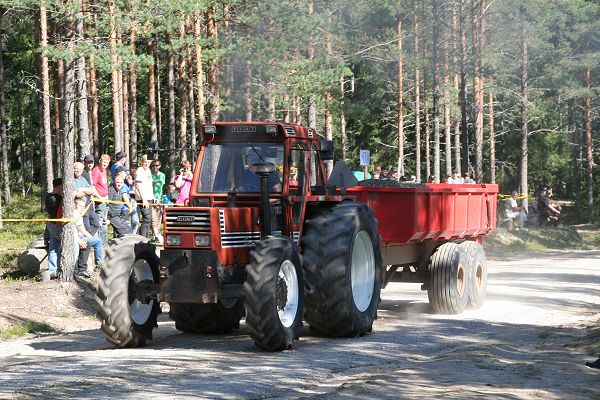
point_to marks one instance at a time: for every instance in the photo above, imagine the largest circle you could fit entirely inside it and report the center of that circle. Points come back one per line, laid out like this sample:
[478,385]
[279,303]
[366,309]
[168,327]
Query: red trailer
[267,235]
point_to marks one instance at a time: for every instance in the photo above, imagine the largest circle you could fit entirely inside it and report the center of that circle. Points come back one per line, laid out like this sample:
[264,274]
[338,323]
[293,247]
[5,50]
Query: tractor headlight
[210,129]
[173,240]
[202,240]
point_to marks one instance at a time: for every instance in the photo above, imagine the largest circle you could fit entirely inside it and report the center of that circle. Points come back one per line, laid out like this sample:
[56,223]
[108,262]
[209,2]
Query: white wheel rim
[362,271]
[287,276]
[139,311]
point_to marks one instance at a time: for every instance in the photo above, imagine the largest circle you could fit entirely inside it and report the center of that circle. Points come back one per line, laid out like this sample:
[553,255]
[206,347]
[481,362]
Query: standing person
[119,213]
[129,185]
[53,203]
[120,159]
[84,191]
[385,173]
[100,182]
[158,181]
[468,178]
[395,174]
[455,178]
[144,194]
[377,172]
[183,182]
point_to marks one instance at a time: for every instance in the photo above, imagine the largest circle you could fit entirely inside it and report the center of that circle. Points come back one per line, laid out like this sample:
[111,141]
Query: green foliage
[25,328]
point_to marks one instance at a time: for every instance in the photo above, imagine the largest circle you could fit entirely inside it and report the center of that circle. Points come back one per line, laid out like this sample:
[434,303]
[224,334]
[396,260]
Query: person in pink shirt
[100,182]
[183,182]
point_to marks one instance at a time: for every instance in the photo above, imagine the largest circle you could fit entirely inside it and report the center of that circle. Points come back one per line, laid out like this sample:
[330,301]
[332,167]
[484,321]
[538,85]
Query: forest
[506,90]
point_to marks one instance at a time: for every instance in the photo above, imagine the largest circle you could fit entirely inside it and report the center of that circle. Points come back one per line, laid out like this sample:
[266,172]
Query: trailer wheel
[274,293]
[449,283]
[477,270]
[222,317]
[125,320]
[343,265]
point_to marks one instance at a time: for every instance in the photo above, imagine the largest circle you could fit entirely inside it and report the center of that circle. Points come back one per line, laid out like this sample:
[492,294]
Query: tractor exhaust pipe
[263,169]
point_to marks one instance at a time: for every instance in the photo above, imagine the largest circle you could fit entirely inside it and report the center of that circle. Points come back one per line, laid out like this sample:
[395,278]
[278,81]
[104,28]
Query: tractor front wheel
[125,320]
[343,264]
[274,293]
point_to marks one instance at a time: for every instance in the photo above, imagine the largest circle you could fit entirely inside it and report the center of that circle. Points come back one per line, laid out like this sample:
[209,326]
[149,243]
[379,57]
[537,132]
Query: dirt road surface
[524,343]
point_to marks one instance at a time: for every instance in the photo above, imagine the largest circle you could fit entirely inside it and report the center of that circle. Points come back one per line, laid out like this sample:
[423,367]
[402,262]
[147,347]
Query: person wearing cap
[88,166]
[548,211]
[100,182]
[144,194]
[395,174]
[118,213]
[120,159]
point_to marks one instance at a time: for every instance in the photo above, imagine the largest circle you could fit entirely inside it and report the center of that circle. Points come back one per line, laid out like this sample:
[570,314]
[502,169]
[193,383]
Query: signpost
[365,161]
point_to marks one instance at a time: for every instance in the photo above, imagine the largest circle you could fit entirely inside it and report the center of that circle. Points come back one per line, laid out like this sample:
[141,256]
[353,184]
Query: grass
[15,236]
[25,328]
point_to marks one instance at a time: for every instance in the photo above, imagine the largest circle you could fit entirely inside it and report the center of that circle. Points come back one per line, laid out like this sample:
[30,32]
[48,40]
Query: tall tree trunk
[455,44]
[427,123]
[492,138]
[248,92]
[68,255]
[125,107]
[115,79]
[181,87]
[575,152]
[463,88]
[214,103]
[158,95]
[133,129]
[329,103]
[192,105]
[172,119]
[343,134]
[447,119]
[3,125]
[199,70]
[477,40]
[93,107]
[589,145]
[417,97]
[525,100]
[436,89]
[400,97]
[85,145]
[312,99]
[152,92]
[45,97]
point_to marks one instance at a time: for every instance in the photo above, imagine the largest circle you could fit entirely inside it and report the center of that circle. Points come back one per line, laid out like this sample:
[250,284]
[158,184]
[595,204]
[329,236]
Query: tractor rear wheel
[449,282]
[222,317]
[125,320]
[274,293]
[477,272]
[343,266]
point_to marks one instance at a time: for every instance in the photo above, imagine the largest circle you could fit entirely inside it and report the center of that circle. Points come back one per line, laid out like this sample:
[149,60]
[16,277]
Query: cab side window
[316,178]
[297,169]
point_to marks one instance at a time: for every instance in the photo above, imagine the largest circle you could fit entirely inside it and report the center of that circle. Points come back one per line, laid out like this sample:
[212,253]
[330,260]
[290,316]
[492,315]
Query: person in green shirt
[158,181]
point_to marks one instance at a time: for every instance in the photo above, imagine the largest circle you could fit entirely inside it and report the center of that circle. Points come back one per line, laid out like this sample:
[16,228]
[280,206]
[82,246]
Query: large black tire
[274,293]
[207,318]
[343,267]
[449,284]
[126,321]
[477,270]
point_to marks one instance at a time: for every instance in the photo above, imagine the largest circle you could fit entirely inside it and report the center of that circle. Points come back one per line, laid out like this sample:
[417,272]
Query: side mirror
[152,151]
[326,150]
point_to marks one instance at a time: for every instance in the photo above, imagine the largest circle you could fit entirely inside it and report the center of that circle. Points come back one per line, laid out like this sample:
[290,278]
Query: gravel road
[522,344]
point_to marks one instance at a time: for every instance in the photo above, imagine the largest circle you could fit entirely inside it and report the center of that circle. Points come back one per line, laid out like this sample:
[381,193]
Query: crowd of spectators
[380,172]
[131,201]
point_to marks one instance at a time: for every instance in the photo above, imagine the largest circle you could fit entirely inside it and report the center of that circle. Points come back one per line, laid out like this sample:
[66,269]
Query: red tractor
[268,236]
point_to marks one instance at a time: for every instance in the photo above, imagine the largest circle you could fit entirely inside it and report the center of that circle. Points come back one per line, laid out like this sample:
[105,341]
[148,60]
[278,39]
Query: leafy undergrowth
[15,236]
[25,328]
[580,237]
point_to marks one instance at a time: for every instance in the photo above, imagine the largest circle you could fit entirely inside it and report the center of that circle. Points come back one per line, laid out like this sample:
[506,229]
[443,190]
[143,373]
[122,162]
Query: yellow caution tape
[521,196]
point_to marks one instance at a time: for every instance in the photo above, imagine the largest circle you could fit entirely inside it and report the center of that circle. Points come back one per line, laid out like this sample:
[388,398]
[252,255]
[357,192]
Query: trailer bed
[435,212]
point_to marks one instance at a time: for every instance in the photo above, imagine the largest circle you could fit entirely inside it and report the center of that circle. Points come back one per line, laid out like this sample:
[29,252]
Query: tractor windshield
[227,167]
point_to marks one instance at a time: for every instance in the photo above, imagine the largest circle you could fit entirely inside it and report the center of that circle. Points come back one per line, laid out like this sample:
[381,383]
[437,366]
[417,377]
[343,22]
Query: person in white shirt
[515,212]
[144,194]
